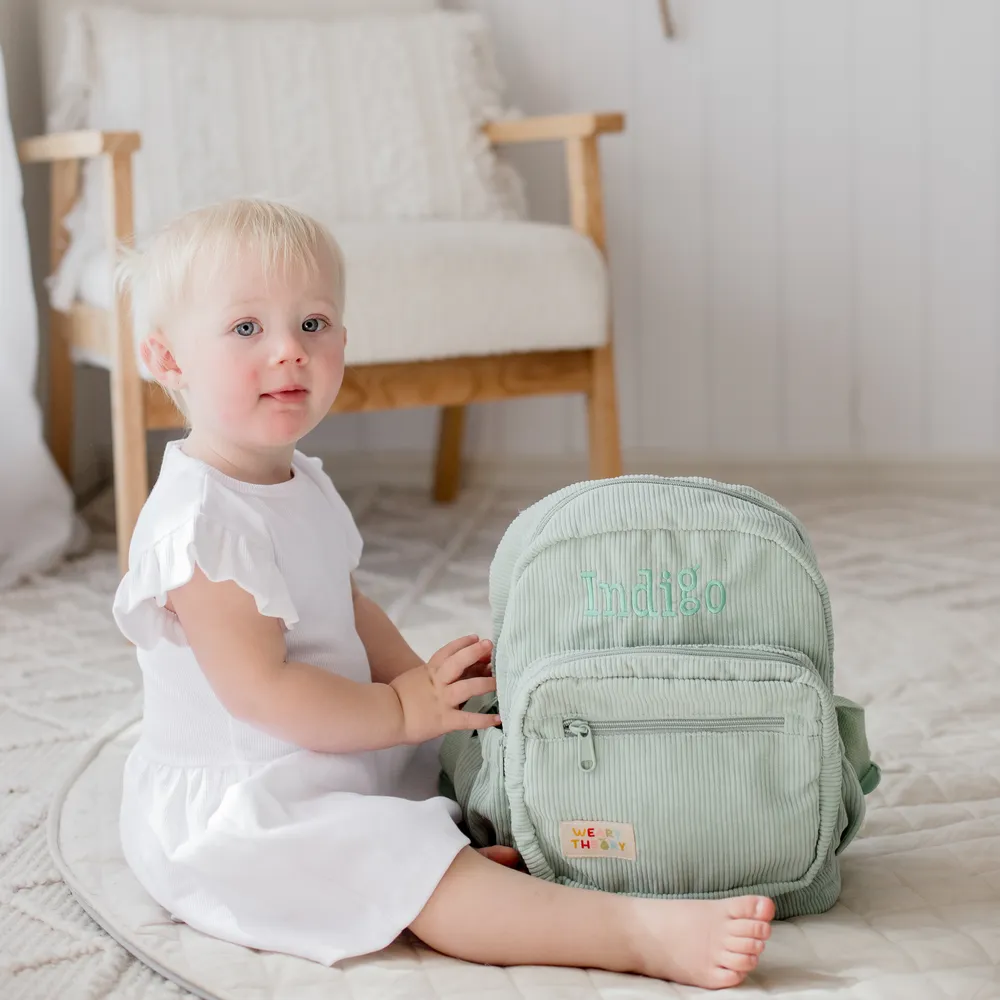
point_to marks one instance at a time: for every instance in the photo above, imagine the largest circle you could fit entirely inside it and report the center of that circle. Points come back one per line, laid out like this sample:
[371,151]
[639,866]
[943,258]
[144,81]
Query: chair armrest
[76,145]
[579,132]
[544,128]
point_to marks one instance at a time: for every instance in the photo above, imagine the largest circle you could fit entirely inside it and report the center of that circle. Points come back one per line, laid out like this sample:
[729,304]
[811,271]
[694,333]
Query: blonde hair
[158,274]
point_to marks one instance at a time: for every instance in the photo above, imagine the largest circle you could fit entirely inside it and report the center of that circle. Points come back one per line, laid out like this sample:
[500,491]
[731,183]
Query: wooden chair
[137,406]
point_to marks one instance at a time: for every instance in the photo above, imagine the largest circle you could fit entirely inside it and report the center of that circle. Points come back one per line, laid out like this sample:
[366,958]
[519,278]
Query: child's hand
[483,667]
[431,693]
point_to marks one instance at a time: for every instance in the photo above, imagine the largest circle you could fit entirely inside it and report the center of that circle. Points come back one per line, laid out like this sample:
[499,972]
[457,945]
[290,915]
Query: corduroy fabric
[664,660]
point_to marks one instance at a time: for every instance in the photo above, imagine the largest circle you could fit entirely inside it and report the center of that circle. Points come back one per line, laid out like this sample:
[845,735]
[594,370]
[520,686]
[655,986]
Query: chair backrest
[53,16]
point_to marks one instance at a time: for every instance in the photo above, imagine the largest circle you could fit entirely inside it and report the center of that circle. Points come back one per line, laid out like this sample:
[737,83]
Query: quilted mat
[916,602]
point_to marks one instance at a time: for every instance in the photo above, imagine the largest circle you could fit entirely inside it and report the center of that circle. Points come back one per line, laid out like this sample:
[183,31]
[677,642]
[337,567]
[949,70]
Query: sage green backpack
[664,666]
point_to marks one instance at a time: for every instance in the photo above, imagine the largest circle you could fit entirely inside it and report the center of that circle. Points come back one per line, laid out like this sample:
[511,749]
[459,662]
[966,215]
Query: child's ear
[157,357]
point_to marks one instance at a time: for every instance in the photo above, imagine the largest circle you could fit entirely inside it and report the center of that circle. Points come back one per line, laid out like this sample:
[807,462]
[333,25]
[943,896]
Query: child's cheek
[251,384]
[238,389]
[243,383]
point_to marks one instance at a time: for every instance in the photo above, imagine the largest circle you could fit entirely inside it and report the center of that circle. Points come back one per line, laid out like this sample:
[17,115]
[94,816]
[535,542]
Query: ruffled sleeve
[221,553]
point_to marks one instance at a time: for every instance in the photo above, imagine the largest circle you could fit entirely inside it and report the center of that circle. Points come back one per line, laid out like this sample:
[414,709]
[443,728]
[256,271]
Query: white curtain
[36,506]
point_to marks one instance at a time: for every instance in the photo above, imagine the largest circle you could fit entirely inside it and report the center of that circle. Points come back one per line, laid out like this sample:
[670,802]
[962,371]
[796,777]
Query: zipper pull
[580,729]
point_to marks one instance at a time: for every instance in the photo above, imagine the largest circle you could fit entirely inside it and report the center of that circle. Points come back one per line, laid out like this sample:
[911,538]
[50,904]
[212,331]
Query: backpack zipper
[735,652]
[662,481]
[585,731]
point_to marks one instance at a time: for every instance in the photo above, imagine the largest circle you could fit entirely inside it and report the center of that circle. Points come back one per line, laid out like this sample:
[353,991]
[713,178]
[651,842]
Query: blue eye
[247,328]
[314,324]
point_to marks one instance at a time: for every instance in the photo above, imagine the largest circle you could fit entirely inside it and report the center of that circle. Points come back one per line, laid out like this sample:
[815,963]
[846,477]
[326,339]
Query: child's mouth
[288,395]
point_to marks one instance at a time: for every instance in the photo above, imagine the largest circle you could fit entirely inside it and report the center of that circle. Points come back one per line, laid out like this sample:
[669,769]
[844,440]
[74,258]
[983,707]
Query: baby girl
[283,794]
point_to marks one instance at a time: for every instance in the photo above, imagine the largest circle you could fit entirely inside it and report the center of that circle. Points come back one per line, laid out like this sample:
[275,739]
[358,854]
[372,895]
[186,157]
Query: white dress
[233,831]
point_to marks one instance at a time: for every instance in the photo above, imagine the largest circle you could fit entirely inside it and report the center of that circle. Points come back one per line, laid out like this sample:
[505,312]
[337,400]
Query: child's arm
[389,654]
[243,656]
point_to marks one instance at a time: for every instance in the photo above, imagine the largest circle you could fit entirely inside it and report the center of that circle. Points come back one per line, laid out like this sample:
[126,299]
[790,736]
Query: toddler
[282,794]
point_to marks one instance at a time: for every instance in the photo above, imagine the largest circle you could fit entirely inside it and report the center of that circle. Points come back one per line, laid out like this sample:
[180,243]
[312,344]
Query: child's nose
[291,349]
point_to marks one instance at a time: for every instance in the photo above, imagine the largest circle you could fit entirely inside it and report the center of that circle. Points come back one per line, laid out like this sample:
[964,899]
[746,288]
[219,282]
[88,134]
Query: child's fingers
[461,660]
[479,669]
[461,691]
[472,720]
[453,647]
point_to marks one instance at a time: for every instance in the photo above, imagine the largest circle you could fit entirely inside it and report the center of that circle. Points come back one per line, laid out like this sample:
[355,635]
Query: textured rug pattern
[915,580]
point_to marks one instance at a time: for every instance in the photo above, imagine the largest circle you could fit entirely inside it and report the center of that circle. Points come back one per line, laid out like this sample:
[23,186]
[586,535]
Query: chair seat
[443,289]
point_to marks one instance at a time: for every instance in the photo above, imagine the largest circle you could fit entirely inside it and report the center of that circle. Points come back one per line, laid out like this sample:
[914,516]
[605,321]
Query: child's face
[260,358]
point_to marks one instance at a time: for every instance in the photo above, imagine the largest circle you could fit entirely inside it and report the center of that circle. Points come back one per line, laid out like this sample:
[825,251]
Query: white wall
[803,224]
[803,219]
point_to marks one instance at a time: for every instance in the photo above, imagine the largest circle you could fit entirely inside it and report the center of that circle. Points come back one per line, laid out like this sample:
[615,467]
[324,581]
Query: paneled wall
[803,224]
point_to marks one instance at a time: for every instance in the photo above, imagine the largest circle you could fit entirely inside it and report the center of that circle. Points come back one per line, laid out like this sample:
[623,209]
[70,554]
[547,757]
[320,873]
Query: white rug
[915,583]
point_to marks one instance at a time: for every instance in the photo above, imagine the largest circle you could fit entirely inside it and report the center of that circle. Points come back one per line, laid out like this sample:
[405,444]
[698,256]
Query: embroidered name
[592,839]
[664,599]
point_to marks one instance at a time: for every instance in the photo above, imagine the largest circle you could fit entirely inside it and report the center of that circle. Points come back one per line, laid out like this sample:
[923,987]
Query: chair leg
[448,468]
[129,446]
[128,409]
[64,187]
[602,417]
[60,403]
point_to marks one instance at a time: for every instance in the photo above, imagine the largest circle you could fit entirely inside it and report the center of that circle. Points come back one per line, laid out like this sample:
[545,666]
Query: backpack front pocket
[698,770]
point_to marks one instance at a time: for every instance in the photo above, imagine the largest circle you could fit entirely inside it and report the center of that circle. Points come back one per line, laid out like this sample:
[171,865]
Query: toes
[722,979]
[744,945]
[738,963]
[757,929]
[751,908]
[506,856]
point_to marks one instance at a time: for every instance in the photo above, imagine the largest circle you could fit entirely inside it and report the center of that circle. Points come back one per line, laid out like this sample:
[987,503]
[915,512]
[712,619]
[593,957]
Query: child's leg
[485,912]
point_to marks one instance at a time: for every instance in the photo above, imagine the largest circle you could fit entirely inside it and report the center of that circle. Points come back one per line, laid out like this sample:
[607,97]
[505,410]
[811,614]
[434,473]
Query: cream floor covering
[915,584]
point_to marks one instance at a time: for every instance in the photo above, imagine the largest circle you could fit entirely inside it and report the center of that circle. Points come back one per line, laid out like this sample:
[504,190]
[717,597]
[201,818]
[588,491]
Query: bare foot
[506,856]
[709,943]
